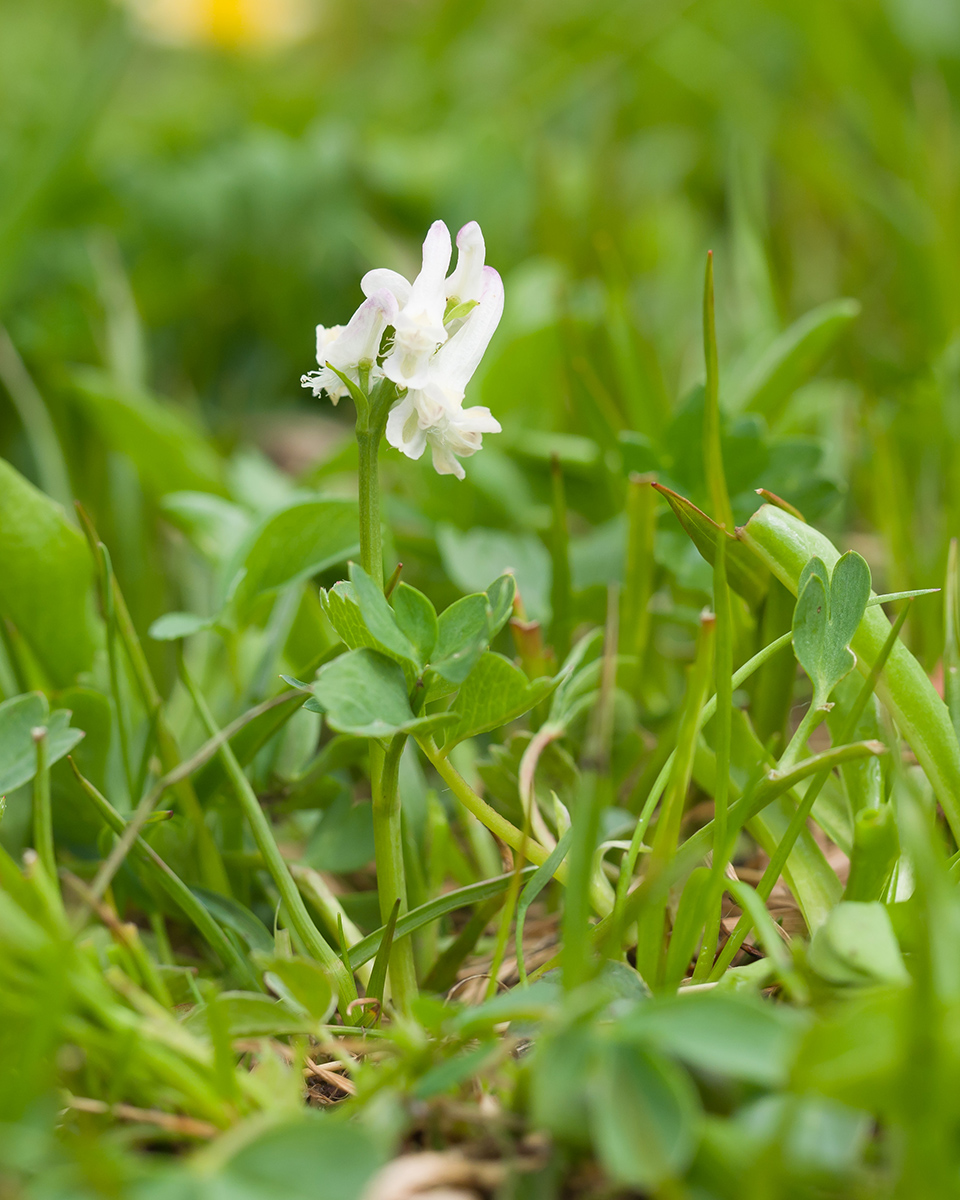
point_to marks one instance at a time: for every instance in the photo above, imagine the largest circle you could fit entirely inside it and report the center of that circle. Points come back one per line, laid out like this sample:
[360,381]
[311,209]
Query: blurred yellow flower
[248,23]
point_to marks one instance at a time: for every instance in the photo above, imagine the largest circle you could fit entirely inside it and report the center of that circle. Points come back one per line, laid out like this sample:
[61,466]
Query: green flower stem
[371,545]
[505,830]
[391,881]
[296,910]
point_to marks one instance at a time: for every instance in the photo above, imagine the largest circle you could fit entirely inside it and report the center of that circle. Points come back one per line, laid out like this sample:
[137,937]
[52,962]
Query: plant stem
[391,881]
[371,546]
[814,715]
[723,671]
[42,815]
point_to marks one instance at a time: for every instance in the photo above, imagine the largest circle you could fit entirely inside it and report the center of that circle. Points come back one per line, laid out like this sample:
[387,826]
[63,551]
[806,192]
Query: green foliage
[829,610]
[224,864]
[45,583]
[18,751]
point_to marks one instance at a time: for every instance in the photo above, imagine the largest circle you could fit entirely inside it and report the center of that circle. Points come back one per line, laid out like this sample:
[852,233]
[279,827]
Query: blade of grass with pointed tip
[378,976]
[712,450]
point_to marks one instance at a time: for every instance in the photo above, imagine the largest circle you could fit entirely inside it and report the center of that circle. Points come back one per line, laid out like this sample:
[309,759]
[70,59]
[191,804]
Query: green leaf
[364,693]
[738,1037]
[794,357]
[174,625]
[828,613]
[237,917]
[856,945]
[169,452]
[45,579]
[745,573]
[343,837]
[302,1158]
[217,527]
[306,537]
[495,693]
[644,1116]
[379,618]
[500,595]
[306,981]
[558,1097]
[417,619]
[18,751]
[248,1014]
[462,636]
[472,557]
[341,609]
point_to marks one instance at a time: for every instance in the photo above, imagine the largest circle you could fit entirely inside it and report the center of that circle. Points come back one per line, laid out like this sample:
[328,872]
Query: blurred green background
[188,186]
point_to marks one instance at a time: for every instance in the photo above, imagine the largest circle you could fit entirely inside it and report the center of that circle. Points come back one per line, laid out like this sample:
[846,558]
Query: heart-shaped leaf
[494,693]
[828,612]
[18,751]
[364,693]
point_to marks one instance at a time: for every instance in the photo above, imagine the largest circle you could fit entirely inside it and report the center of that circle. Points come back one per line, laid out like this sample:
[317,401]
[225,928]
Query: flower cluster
[441,325]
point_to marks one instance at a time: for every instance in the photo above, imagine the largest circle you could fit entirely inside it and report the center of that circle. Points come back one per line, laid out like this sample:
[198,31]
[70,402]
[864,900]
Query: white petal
[478,420]
[360,339]
[428,286]
[466,280]
[453,365]
[444,462]
[403,429]
[326,336]
[393,281]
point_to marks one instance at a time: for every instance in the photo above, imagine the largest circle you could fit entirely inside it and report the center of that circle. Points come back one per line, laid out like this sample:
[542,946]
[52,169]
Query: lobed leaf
[495,693]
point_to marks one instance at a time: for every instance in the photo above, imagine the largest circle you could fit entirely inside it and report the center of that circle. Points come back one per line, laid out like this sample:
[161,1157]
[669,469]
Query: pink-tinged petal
[466,280]
[393,281]
[453,365]
[360,339]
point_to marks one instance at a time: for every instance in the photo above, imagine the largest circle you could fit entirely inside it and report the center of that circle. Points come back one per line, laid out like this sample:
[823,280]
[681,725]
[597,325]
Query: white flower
[352,346]
[448,434]
[433,414]
[420,327]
